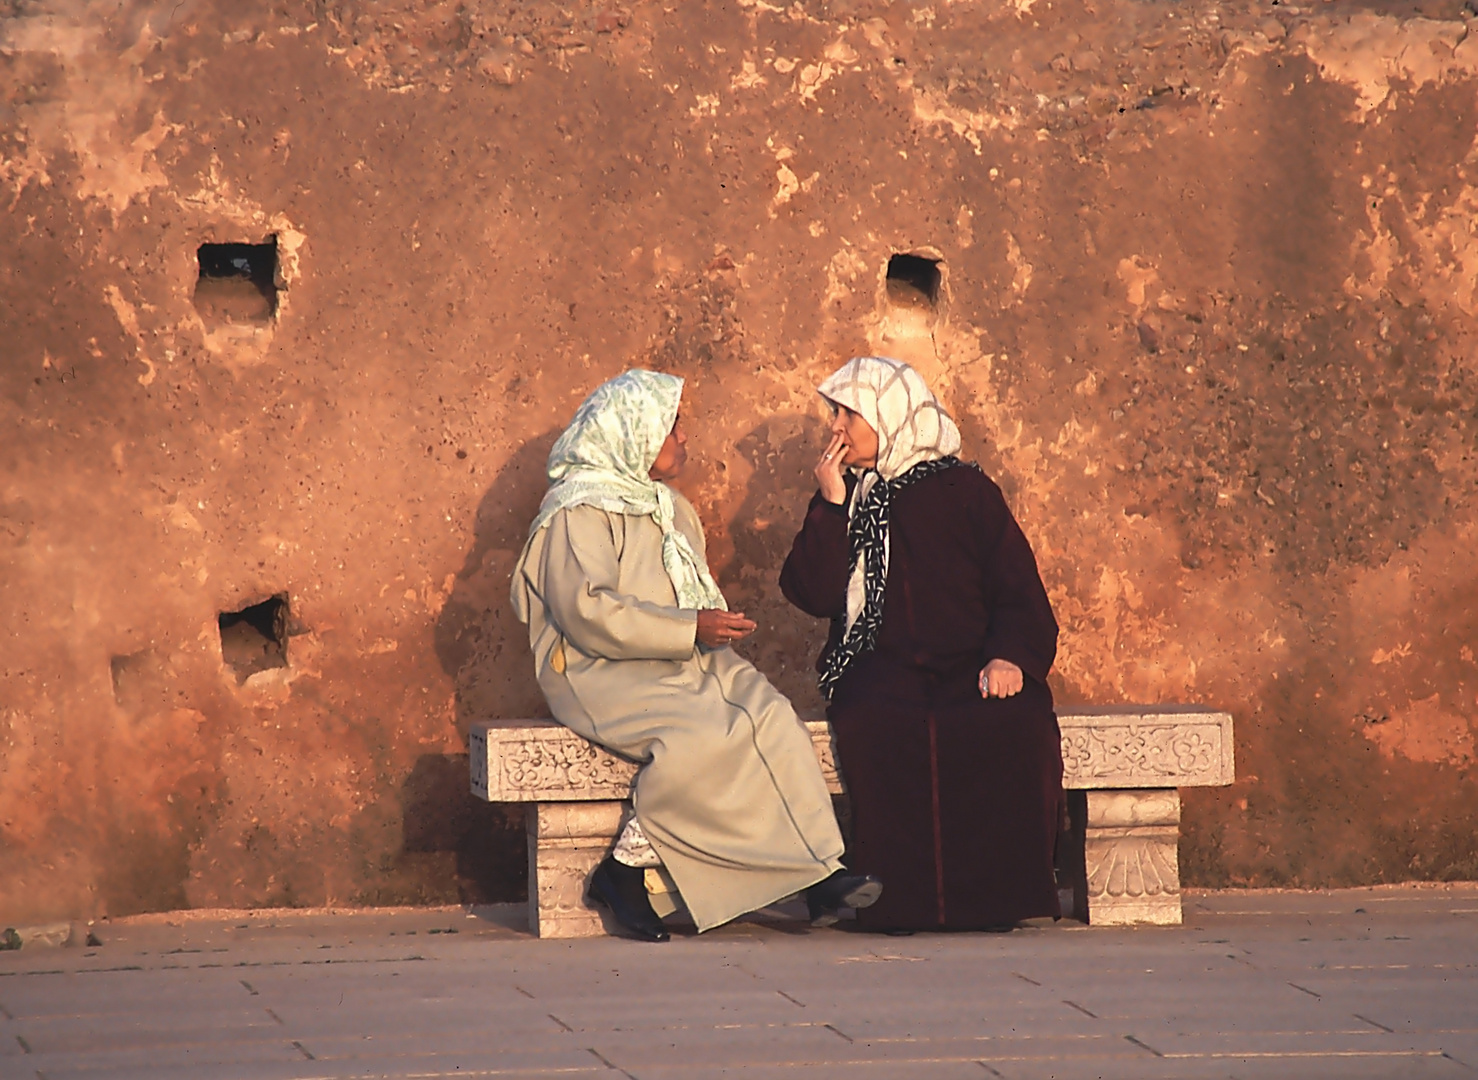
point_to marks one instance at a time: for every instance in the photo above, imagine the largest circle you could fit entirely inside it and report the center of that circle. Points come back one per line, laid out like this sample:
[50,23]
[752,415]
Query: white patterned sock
[634,849]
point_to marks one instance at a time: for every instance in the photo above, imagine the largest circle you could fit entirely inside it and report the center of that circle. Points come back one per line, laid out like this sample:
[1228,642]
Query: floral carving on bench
[566,765]
[1137,747]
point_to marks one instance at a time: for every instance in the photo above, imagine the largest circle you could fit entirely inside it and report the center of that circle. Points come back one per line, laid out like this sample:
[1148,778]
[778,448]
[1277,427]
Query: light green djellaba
[610,584]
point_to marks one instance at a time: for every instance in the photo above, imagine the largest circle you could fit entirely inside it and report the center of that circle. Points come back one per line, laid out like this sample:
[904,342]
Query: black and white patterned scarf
[867,540]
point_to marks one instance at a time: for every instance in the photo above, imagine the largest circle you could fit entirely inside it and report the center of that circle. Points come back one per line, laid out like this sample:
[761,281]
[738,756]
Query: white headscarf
[894,399]
[912,428]
[602,460]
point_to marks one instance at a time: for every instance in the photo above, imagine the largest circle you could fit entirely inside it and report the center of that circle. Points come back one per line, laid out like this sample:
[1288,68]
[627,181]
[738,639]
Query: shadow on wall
[441,816]
[474,630]
[781,453]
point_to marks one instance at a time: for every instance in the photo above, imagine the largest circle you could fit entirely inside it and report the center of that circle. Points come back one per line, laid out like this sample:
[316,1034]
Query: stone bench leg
[566,841]
[1133,858]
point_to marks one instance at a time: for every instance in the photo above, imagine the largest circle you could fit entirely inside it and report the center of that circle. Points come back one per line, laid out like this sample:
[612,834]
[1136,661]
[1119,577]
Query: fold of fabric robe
[731,796]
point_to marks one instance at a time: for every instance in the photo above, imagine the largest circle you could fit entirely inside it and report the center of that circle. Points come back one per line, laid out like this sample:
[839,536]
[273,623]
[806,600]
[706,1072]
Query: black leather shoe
[623,890]
[838,891]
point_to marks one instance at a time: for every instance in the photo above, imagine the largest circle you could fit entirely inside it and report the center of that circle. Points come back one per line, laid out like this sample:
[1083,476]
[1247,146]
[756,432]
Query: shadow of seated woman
[482,648]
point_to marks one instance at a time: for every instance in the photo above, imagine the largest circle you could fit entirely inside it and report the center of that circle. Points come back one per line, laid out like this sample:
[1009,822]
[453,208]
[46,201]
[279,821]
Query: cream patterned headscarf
[602,460]
[916,438]
[892,397]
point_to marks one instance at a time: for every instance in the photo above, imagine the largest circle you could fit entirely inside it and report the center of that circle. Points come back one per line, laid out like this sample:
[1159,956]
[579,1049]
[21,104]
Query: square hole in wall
[913,281]
[145,682]
[237,282]
[255,638]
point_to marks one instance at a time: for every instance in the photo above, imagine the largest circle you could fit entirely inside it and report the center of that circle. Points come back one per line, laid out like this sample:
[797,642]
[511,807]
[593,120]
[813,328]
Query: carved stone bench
[1129,761]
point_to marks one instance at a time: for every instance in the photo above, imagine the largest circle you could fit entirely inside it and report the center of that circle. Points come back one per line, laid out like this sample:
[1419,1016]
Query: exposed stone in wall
[1205,309]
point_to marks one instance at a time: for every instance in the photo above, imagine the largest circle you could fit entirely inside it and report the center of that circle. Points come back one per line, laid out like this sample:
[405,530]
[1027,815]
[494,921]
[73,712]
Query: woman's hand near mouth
[829,471]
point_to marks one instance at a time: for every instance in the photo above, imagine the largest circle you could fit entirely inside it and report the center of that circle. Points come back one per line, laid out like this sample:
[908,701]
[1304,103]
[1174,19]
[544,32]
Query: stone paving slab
[348,1022]
[1379,983]
[162,1020]
[91,1036]
[204,1053]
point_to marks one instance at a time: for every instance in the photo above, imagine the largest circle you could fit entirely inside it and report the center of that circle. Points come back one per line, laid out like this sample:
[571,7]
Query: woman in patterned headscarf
[630,636]
[936,665]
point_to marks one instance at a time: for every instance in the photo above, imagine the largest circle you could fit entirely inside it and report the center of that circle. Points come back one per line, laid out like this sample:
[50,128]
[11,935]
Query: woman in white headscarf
[630,637]
[936,665]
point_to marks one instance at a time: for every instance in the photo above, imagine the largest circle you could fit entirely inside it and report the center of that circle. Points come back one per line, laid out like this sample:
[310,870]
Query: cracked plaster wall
[1207,315]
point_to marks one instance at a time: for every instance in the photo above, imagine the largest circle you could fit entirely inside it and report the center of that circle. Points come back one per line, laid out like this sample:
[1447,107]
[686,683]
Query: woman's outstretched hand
[717,628]
[1000,678]
[829,471]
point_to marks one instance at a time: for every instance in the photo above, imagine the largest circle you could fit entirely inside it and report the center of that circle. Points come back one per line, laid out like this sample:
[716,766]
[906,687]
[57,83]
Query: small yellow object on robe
[731,795]
[662,892]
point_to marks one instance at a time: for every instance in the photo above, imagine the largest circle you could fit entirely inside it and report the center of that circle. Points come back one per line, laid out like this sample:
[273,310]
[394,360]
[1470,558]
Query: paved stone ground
[1358,983]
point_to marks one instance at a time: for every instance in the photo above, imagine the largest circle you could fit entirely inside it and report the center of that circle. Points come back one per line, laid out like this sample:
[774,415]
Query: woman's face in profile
[859,440]
[673,455]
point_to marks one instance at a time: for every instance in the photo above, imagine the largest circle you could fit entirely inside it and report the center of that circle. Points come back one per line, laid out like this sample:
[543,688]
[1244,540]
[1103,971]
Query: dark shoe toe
[647,933]
[839,891]
[864,893]
[621,890]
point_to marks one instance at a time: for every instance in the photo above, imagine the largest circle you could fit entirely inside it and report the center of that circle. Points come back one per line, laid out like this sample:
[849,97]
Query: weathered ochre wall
[1208,315]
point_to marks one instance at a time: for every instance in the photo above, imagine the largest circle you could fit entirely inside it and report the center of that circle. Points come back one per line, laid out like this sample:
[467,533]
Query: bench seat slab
[1130,747]
[1136,747]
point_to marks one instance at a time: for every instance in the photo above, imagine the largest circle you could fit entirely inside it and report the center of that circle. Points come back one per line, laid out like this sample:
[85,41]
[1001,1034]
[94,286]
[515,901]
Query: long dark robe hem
[956,799]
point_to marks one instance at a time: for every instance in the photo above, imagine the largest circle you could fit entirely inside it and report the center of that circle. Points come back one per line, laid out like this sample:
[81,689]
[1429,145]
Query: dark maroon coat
[956,799]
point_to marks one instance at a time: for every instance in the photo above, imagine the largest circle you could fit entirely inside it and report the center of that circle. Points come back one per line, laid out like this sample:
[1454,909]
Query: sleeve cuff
[677,638]
[690,631]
